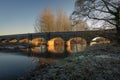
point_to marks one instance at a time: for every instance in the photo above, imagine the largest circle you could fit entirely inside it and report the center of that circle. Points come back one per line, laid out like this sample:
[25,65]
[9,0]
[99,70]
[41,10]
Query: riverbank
[101,62]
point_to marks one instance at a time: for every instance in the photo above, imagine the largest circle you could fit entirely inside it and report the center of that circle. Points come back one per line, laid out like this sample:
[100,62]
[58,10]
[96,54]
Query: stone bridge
[86,35]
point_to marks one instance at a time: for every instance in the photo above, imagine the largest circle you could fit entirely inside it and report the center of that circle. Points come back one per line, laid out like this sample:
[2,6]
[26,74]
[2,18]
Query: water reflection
[58,49]
[75,48]
[56,45]
[40,49]
[47,60]
[13,65]
[76,45]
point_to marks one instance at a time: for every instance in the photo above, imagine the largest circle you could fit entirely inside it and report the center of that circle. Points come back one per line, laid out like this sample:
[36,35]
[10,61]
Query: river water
[17,64]
[13,65]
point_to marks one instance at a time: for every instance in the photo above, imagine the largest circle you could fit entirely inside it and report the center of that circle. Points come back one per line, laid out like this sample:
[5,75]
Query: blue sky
[18,16]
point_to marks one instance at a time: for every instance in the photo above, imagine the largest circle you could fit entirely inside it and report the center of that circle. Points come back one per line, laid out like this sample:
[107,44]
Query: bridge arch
[56,45]
[13,40]
[39,45]
[3,40]
[76,44]
[38,41]
[99,40]
[24,40]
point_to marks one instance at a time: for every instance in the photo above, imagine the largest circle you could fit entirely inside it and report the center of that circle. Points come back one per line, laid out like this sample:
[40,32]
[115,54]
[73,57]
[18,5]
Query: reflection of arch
[24,40]
[4,40]
[40,49]
[56,45]
[38,41]
[76,44]
[13,40]
[99,40]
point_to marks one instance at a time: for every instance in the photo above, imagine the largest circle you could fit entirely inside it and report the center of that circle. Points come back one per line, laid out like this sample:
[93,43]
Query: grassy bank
[100,62]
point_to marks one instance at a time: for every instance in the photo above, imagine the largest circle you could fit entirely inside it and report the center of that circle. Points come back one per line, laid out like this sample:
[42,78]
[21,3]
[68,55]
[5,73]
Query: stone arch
[99,40]
[39,45]
[76,44]
[38,41]
[4,40]
[24,40]
[56,45]
[13,40]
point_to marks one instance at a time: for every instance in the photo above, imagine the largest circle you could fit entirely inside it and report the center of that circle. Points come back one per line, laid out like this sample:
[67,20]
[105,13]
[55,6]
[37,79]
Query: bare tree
[62,21]
[82,26]
[45,21]
[101,11]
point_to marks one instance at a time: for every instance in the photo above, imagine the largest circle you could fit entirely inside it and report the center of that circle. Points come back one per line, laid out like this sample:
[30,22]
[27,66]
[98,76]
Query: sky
[19,16]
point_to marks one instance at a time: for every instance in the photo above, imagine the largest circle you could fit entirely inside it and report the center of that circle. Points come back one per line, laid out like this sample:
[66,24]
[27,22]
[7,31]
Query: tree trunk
[118,34]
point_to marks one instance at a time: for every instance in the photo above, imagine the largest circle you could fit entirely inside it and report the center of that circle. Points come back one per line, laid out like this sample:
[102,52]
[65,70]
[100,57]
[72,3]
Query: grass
[100,62]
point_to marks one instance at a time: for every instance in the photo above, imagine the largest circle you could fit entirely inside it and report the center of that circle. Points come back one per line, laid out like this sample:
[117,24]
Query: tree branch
[110,4]
[106,5]
[101,10]
[107,20]
[110,22]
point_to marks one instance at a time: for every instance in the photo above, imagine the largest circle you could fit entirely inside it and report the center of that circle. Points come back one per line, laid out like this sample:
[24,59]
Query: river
[14,65]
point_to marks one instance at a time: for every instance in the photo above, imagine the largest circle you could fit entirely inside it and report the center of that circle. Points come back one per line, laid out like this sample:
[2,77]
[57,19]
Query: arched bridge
[66,36]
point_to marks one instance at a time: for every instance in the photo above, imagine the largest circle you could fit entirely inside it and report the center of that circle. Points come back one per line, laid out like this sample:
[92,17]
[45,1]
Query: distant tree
[62,21]
[45,21]
[105,12]
[82,26]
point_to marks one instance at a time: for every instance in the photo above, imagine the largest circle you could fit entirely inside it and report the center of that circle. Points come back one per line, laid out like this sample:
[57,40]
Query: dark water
[13,65]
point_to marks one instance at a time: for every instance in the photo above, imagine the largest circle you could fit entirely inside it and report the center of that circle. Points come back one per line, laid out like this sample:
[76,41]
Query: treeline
[49,22]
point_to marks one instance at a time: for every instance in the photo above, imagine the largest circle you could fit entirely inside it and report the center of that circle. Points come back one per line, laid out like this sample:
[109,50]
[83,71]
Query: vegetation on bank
[101,62]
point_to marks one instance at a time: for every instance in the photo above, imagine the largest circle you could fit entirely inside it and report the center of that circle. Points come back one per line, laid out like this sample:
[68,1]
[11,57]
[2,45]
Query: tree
[82,26]
[47,22]
[62,21]
[101,11]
